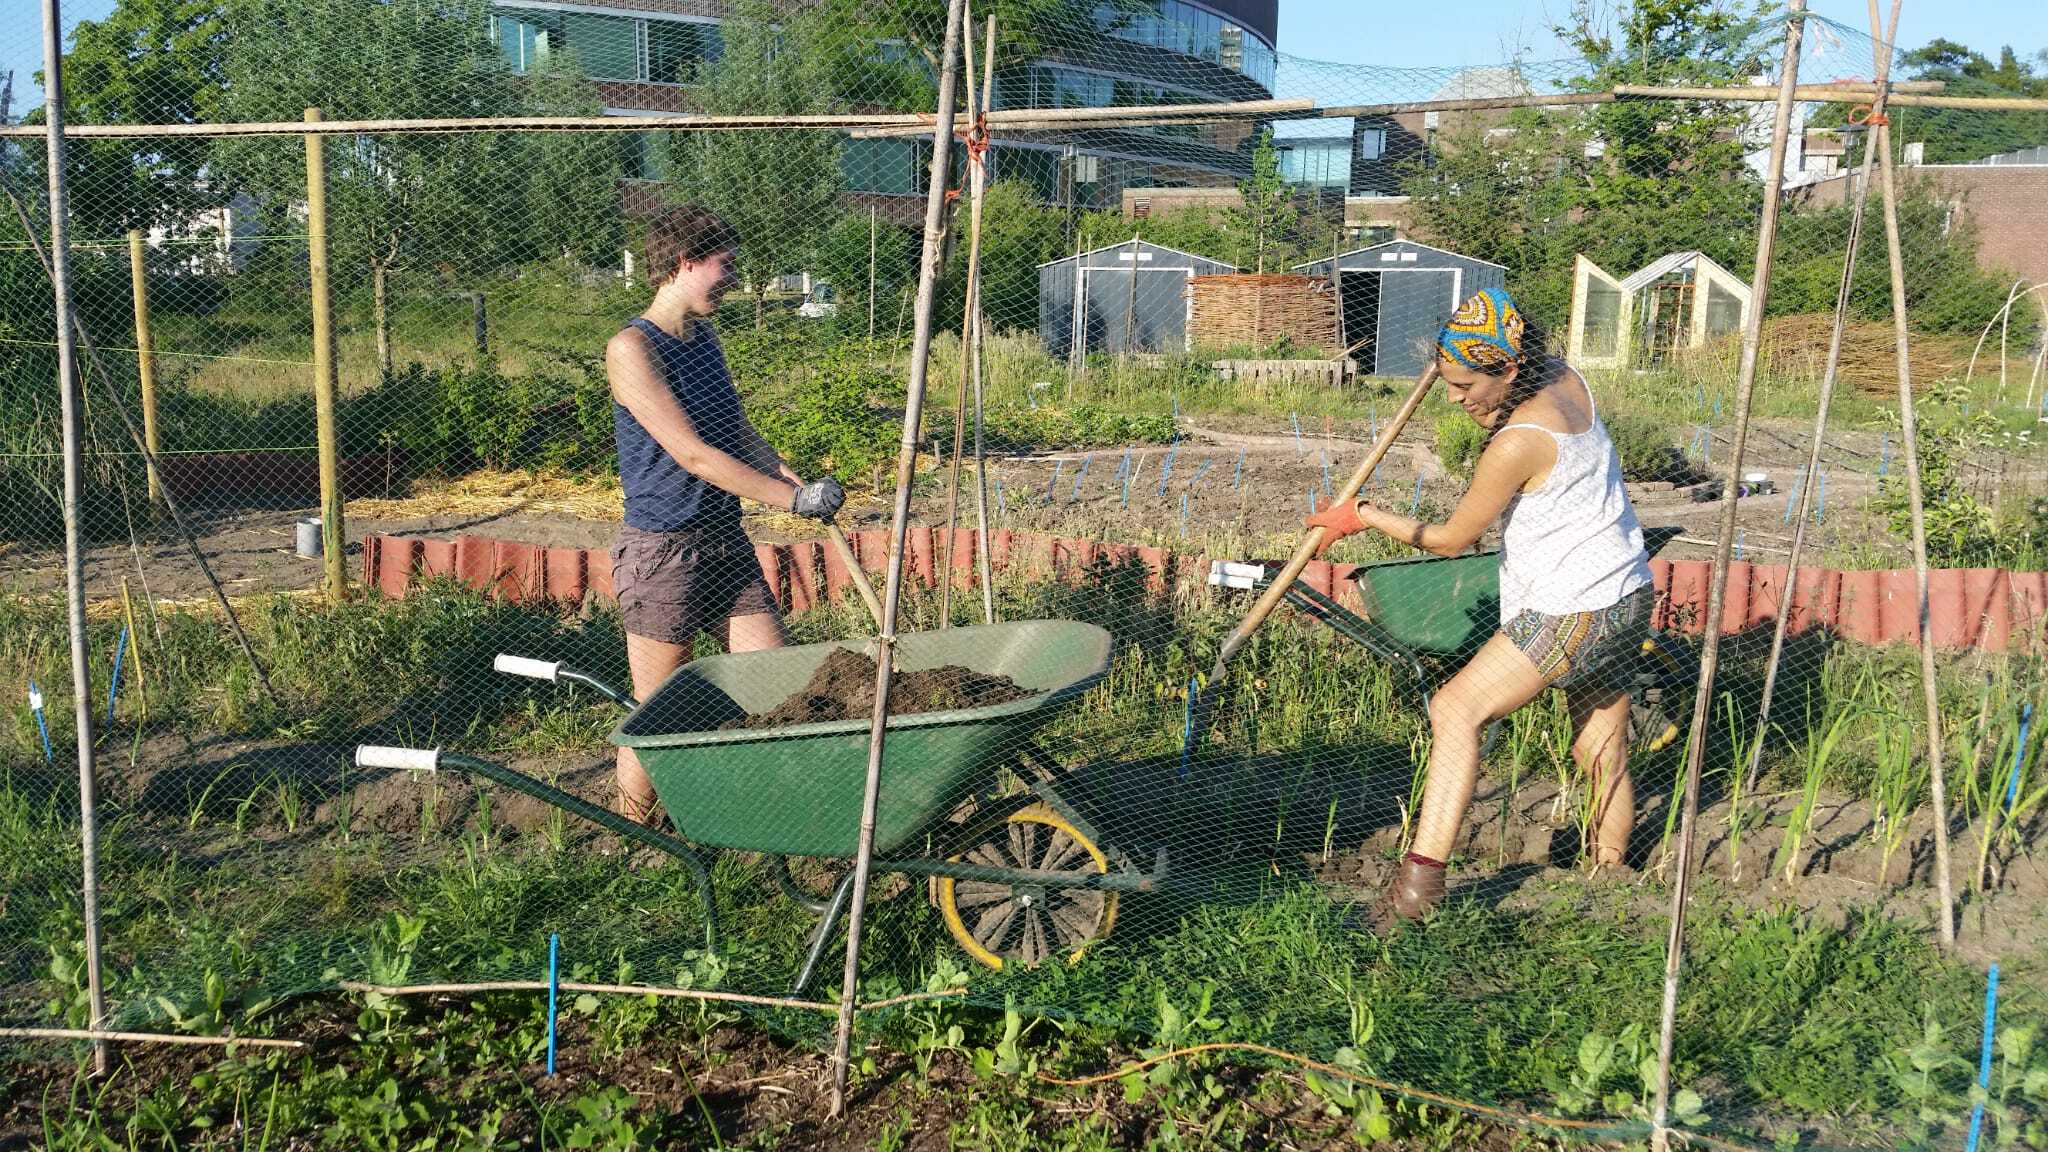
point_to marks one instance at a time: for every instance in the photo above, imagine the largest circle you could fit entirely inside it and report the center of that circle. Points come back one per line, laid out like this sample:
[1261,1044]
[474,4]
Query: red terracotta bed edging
[1988,609]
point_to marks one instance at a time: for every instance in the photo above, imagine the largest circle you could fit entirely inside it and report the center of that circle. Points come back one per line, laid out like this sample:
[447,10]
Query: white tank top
[1574,544]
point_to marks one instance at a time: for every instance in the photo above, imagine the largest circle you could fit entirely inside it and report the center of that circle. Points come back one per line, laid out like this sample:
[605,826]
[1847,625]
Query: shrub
[825,418]
[1085,426]
[1646,452]
[1459,439]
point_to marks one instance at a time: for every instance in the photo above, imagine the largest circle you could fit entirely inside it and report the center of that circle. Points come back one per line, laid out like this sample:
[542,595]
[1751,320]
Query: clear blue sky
[1400,33]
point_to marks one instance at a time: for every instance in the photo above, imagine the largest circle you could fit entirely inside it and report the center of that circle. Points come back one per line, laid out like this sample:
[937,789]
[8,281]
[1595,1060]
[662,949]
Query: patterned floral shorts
[1586,649]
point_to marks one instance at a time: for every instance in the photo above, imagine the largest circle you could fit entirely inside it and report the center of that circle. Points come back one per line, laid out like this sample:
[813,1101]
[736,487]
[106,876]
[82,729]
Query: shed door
[1148,315]
[1413,305]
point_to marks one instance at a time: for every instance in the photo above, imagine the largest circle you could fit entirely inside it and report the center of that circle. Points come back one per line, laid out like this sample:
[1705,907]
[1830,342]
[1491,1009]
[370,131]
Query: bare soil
[843,688]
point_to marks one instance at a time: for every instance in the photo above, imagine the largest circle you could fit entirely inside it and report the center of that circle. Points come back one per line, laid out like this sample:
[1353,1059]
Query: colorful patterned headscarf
[1485,332]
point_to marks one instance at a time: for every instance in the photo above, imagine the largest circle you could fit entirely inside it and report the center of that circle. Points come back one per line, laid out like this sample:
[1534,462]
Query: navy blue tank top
[660,495]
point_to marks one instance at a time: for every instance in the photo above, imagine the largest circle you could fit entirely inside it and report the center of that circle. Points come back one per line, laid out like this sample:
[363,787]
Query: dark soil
[843,688]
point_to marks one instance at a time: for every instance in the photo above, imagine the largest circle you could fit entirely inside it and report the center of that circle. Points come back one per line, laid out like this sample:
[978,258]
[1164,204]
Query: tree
[1269,216]
[148,62]
[843,259]
[1018,233]
[1026,30]
[394,202]
[779,189]
[1954,135]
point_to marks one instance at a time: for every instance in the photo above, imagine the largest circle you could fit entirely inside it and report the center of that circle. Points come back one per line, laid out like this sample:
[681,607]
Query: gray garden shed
[1396,297]
[1128,297]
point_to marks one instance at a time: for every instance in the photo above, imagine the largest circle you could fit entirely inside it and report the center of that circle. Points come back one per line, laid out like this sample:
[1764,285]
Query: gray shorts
[673,585]
[1586,649]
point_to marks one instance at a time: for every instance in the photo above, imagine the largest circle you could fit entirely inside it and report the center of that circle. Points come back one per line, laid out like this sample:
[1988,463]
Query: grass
[261,870]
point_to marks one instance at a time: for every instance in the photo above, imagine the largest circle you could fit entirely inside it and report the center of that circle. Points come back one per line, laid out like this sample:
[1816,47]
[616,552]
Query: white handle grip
[399,759]
[526,666]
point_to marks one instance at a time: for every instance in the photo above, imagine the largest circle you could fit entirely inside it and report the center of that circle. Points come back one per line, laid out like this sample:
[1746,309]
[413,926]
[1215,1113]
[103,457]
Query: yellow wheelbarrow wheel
[1024,924]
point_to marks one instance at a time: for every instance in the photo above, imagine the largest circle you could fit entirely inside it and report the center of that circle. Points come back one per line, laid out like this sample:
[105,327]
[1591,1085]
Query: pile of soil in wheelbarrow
[843,688]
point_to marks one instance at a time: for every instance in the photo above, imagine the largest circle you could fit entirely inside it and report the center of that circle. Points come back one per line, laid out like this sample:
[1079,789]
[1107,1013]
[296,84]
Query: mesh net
[1193,325]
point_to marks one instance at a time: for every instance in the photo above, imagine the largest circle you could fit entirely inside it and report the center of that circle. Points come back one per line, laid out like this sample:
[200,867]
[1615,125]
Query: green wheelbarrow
[1018,875]
[1434,611]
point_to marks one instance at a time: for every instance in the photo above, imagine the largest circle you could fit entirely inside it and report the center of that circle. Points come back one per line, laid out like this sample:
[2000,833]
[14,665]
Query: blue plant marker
[1297,431]
[1127,489]
[1717,409]
[1984,1054]
[554,989]
[1201,472]
[1175,397]
[1187,729]
[1183,515]
[1415,502]
[35,705]
[1238,480]
[1166,471]
[114,688]
[1738,543]
[1311,500]
[1327,490]
[1052,490]
[1792,494]
[2019,757]
[1080,479]
[1884,459]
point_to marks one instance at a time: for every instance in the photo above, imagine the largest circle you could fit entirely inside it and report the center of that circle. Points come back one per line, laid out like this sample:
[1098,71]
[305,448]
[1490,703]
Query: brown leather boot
[1414,892]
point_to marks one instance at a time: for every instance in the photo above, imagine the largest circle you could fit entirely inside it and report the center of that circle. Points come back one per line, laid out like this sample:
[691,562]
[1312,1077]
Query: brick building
[2005,199]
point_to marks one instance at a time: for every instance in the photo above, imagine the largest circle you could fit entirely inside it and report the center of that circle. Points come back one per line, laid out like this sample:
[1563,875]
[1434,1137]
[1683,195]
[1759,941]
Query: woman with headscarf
[1574,583]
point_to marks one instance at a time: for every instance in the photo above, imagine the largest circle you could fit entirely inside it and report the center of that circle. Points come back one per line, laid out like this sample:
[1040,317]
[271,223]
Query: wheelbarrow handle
[398,759]
[526,666]
[554,671]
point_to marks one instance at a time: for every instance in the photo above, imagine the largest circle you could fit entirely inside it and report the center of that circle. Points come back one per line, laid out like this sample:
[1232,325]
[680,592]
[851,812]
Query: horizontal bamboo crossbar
[1145,114]
[145,1037]
[477,987]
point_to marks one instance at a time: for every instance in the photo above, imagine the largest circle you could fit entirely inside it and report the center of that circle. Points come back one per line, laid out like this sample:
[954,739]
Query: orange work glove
[1337,521]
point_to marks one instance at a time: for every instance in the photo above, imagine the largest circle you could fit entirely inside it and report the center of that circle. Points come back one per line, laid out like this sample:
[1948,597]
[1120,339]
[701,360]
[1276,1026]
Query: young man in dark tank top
[683,565]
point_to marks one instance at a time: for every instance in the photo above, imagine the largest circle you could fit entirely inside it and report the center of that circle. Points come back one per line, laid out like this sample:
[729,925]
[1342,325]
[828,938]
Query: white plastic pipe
[526,666]
[398,759]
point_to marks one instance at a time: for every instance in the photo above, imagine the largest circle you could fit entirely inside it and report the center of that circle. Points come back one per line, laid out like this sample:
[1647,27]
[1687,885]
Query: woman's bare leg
[1497,680]
[1600,746]
[652,663]
[755,633]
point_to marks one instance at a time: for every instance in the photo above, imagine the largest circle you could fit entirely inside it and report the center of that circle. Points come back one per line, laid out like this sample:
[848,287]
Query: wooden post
[145,365]
[899,530]
[988,84]
[1937,789]
[970,332]
[325,378]
[1710,653]
[1131,303]
[479,324]
[872,232]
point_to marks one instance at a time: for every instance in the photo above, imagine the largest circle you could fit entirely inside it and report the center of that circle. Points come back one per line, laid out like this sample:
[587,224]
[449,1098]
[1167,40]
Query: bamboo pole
[1780,625]
[1710,653]
[325,377]
[1909,434]
[906,469]
[100,1037]
[145,363]
[74,553]
[980,189]
[967,329]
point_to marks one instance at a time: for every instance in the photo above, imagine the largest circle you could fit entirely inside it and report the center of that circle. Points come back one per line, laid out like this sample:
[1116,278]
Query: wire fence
[477,359]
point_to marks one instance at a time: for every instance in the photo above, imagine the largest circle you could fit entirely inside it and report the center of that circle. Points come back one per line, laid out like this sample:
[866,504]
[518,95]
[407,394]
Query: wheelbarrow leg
[828,923]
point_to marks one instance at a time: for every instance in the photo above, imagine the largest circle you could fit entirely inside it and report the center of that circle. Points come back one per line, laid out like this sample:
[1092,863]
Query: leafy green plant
[1646,451]
[1459,439]
[1818,751]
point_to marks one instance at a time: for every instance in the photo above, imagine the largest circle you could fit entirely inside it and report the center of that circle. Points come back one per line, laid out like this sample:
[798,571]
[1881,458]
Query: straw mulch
[492,493]
[1259,311]
[1797,346]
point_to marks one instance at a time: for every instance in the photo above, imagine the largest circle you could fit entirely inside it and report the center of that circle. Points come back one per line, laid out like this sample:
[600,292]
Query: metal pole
[325,380]
[1131,303]
[1806,491]
[906,469]
[1710,653]
[1937,789]
[980,189]
[145,363]
[479,324]
[966,329]
[74,555]
[872,232]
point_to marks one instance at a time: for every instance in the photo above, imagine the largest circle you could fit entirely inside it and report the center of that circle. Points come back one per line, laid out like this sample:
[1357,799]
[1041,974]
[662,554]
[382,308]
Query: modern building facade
[646,55]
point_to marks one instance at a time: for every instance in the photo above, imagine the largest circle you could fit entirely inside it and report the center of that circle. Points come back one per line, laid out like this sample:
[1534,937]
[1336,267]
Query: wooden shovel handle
[1277,590]
[854,571]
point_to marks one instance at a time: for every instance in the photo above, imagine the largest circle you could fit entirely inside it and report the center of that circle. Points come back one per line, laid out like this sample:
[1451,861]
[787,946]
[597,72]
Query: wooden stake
[967,332]
[145,365]
[326,379]
[1710,653]
[1909,434]
[980,189]
[906,471]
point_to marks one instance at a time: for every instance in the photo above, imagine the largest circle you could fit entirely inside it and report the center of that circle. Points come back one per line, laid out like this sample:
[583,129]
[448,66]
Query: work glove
[819,500]
[1337,521]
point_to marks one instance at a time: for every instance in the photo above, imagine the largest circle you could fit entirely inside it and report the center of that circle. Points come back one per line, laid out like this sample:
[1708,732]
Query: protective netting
[1193,327]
